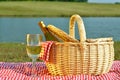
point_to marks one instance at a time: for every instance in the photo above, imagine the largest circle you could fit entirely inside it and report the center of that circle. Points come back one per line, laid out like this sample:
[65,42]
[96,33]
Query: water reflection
[15,29]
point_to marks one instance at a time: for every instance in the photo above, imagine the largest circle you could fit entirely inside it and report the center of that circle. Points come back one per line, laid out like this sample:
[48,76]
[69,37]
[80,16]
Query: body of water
[15,29]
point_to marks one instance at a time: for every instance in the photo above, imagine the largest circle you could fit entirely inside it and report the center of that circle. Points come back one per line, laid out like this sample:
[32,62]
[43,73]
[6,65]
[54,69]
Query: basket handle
[81,27]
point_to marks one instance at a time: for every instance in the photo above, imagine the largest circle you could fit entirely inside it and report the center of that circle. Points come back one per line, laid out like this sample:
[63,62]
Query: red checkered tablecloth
[22,71]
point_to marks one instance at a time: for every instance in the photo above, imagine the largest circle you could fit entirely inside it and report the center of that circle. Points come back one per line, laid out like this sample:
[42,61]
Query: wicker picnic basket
[89,56]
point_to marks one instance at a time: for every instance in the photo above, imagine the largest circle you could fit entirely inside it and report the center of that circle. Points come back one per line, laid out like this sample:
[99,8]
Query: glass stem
[33,67]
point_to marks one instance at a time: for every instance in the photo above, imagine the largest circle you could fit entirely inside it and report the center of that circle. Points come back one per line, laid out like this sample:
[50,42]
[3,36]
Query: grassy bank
[49,9]
[16,52]
[13,52]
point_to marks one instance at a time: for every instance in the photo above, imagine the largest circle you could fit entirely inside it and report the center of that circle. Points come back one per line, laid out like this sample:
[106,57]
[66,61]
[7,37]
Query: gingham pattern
[22,71]
[44,54]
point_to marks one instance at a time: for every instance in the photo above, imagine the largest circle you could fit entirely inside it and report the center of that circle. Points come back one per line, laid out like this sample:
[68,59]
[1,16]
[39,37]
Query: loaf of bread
[61,34]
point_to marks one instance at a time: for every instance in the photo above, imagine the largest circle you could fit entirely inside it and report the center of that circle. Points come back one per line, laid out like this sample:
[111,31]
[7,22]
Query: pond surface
[15,29]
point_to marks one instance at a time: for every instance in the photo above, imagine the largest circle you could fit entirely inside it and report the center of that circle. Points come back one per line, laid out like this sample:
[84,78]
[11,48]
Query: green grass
[59,9]
[117,50]
[13,52]
[16,52]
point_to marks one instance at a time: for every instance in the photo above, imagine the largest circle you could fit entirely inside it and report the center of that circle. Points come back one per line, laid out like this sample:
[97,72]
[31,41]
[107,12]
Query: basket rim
[57,43]
[108,40]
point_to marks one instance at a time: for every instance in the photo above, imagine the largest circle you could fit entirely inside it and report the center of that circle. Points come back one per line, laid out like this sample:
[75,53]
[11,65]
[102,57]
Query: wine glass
[33,48]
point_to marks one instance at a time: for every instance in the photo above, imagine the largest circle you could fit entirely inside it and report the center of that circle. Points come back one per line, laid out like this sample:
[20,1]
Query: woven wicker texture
[89,56]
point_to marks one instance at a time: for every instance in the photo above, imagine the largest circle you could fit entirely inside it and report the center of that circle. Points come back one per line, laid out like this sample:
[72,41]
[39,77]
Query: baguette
[61,34]
[47,34]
